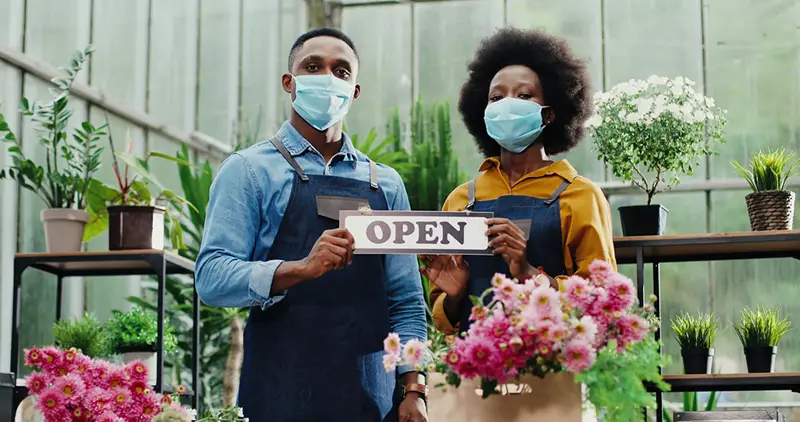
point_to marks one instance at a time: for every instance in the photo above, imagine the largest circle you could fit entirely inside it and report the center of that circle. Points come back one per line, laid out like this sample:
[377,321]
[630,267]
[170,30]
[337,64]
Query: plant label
[417,232]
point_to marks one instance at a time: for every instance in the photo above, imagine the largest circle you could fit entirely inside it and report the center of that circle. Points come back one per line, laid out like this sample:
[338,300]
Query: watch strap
[416,388]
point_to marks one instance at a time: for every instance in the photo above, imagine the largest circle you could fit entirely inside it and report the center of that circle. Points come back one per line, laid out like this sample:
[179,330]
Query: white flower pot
[63,229]
[149,360]
[26,412]
[555,398]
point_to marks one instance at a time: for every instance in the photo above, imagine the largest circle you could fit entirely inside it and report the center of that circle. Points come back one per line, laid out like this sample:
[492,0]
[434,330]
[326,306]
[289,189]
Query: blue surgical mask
[514,123]
[322,100]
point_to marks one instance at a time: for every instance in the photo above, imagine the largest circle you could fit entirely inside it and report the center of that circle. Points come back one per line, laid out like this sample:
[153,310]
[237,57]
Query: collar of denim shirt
[297,145]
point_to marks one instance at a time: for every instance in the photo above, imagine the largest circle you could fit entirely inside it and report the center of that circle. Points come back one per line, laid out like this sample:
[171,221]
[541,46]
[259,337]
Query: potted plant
[71,160]
[137,211]
[134,335]
[770,205]
[696,336]
[84,335]
[760,331]
[650,133]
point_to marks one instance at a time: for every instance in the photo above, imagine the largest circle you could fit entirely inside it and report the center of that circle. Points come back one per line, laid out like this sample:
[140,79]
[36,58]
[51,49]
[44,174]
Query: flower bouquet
[69,386]
[591,329]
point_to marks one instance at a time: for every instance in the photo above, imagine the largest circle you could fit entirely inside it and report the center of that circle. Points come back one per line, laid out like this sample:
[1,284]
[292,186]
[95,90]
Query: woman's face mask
[514,123]
[322,100]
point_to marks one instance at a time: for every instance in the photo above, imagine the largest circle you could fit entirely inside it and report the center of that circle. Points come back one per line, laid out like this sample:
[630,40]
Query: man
[313,341]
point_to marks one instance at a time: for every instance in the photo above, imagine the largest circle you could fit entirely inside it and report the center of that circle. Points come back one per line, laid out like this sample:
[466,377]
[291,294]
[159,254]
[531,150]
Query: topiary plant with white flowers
[651,132]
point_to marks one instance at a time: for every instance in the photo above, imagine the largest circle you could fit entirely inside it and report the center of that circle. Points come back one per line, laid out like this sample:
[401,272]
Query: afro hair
[565,81]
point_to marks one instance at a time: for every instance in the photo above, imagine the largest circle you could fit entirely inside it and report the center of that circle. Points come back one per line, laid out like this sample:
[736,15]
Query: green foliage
[71,162]
[768,170]
[651,132]
[228,414]
[383,152]
[214,331]
[142,189]
[762,327]
[84,334]
[695,332]
[614,382]
[136,331]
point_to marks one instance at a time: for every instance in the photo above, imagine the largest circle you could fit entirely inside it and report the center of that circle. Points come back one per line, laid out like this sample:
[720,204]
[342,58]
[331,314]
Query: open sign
[418,232]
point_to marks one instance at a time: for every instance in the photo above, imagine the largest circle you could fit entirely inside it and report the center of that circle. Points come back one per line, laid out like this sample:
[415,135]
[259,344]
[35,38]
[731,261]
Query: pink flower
[599,270]
[584,329]
[546,300]
[37,382]
[71,387]
[52,359]
[121,401]
[621,292]
[632,328]
[390,362]
[99,400]
[108,417]
[577,292]
[414,352]
[51,403]
[391,344]
[579,356]
[33,357]
[98,372]
[141,392]
[116,376]
[137,371]
[478,313]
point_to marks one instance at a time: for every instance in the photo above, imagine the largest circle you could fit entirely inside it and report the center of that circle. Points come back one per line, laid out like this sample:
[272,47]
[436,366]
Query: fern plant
[768,171]
[84,334]
[762,327]
[136,331]
[70,161]
[695,332]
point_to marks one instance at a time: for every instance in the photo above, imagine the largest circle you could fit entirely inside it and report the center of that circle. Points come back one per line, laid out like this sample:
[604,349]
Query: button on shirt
[247,203]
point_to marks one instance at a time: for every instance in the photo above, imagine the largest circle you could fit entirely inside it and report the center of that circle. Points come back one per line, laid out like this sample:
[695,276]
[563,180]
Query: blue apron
[539,218]
[317,354]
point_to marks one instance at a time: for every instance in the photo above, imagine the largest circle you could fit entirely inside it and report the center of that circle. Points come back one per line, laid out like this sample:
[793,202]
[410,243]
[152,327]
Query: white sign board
[418,232]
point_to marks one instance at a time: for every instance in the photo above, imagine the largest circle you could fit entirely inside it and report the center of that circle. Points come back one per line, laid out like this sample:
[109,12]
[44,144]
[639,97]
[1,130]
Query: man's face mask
[514,123]
[322,100]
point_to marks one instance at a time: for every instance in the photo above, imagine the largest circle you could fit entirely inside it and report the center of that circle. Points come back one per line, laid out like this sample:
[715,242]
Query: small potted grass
[85,335]
[696,335]
[770,206]
[760,331]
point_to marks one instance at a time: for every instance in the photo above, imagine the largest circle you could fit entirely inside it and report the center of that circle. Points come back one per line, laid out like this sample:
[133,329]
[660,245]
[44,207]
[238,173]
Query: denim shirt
[247,201]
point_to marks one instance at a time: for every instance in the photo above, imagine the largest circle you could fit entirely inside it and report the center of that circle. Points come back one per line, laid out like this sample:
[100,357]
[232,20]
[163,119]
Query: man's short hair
[319,32]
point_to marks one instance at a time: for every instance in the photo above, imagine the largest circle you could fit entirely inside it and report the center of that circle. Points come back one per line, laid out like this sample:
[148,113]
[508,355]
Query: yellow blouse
[585,217]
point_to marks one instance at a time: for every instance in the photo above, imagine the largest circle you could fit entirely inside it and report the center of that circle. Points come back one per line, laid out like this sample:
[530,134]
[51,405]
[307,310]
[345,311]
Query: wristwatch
[420,389]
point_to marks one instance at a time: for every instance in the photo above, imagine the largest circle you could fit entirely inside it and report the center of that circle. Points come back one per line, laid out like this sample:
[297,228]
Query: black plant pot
[135,227]
[697,360]
[643,220]
[760,359]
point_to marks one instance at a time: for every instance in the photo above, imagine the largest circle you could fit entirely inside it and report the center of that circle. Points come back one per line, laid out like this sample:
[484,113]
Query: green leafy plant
[140,189]
[768,171]
[84,334]
[762,327]
[695,331]
[615,375]
[652,132]
[227,414]
[383,151]
[70,162]
[136,331]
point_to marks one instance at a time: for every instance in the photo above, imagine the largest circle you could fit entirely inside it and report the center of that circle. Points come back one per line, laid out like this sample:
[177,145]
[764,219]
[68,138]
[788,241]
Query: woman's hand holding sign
[511,243]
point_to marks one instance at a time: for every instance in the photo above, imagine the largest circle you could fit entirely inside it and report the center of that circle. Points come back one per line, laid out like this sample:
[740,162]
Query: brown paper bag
[555,398]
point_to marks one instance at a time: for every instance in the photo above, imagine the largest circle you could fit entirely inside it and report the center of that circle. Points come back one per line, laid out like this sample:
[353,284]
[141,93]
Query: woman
[526,98]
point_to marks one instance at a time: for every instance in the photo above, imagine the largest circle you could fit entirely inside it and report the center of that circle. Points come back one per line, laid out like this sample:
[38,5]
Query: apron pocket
[329,206]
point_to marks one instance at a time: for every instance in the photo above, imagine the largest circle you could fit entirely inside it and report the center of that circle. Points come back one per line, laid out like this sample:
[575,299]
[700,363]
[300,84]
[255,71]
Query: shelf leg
[19,268]
[195,349]
[657,311]
[640,275]
[160,269]
[59,298]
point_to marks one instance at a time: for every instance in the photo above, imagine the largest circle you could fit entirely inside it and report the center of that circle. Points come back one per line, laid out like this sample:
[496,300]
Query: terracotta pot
[554,398]
[63,229]
[149,361]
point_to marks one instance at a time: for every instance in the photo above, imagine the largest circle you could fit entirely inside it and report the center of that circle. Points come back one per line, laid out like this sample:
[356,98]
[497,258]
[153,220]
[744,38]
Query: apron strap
[373,175]
[470,195]
[288,157]
[561,188]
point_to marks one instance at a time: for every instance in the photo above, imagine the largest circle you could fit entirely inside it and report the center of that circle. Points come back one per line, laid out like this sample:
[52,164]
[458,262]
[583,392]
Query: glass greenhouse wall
[214,66]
